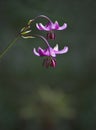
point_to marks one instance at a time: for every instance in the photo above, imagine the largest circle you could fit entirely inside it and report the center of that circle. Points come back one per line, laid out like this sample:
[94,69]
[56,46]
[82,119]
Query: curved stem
[8,47]
[43,16]
[43,38]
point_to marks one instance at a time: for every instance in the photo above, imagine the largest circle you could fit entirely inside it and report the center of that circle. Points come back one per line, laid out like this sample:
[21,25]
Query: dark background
[64,97]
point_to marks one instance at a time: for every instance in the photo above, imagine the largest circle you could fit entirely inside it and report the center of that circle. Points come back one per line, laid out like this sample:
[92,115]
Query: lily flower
[50,27]
[50,53]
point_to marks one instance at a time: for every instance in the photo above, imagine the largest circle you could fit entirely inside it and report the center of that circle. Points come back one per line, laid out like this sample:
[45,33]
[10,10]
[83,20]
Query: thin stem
[8,47]
[43,38]
[39,16]
[43,16]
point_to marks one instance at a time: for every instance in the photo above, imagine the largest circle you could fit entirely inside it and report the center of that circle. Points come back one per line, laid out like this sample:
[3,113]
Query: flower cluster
[49,52]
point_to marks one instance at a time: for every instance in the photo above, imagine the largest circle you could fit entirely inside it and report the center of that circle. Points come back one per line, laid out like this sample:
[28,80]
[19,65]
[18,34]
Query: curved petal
[43,52]
[64,26]
[35,52]
[48,24]
[55,26]
[56,47]
[64,50]
[52,52]
[40,26]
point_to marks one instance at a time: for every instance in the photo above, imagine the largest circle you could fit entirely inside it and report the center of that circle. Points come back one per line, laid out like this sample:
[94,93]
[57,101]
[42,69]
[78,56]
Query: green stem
[8,47]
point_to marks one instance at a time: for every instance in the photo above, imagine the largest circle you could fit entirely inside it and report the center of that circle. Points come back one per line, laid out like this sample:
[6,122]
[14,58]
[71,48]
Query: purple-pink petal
[40,26]
[48,24]
[64,26]
[35,52]
[52,52]
[43,52]
[51,26]
[55,26]
[64,50]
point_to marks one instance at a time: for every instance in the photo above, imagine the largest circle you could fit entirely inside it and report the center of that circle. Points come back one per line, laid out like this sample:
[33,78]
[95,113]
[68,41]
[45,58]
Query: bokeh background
[33,97]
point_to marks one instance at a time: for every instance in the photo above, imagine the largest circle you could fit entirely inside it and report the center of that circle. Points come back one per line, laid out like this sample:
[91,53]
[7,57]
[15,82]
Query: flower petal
[56,47]
[52,52]
[43,52]
[35,52]
[40,26]
[55,26]
[64,26]
[48,24]
[64,50]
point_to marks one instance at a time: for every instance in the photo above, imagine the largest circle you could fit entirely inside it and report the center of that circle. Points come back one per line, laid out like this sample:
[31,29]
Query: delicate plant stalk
[43,16]
[8,47]
[43,38]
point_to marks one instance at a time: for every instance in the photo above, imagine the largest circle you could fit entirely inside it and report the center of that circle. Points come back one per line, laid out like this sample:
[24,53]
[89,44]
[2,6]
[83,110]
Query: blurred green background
[33,97]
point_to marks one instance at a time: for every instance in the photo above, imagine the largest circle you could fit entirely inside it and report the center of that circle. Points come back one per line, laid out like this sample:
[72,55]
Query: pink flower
[50,53]
[50,27]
